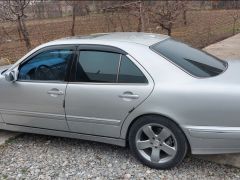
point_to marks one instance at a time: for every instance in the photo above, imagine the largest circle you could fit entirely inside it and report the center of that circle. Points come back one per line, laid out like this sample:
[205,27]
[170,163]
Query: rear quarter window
[196,62]
[129,72]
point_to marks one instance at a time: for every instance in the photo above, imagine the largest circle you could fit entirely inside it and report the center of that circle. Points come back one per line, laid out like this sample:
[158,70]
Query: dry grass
[203,28]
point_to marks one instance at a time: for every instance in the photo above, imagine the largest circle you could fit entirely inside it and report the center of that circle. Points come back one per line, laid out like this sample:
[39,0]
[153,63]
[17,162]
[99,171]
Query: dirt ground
[203,28]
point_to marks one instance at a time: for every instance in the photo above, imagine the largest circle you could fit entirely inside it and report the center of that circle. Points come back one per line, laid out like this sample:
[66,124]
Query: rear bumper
[213,140]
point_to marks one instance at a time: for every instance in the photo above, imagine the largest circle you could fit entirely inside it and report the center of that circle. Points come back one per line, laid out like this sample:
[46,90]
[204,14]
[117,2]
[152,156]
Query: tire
[157,142]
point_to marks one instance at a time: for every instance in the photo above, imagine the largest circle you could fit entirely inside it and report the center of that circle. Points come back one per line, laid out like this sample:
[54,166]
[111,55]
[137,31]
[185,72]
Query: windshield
[194,61]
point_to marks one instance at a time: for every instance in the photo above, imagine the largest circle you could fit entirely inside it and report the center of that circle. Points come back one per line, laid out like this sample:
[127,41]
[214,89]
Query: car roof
[146,39]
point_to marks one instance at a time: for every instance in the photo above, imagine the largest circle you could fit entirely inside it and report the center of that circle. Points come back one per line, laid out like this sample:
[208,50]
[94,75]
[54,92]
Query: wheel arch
[159,115]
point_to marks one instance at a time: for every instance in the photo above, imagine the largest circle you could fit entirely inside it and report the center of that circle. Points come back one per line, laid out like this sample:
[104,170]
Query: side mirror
[10,76]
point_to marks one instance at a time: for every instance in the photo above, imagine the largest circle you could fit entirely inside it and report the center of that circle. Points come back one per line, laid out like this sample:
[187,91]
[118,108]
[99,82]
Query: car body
[205,108]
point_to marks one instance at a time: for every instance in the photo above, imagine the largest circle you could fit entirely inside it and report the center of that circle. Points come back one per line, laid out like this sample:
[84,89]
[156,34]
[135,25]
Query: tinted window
[47,66]
[97,66]
[194,61]
[129,72]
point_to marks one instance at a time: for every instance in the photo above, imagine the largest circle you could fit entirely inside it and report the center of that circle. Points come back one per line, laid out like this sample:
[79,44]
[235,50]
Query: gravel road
[44,157]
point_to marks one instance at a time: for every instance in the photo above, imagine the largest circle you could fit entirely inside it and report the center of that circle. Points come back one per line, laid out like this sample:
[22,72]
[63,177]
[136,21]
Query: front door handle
[55,91]
[129,95]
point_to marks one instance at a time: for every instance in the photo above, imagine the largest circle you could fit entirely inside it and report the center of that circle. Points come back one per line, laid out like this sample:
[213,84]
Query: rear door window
[97,66]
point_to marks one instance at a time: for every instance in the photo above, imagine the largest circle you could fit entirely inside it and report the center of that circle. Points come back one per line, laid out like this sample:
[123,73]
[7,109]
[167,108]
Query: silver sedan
[161,97]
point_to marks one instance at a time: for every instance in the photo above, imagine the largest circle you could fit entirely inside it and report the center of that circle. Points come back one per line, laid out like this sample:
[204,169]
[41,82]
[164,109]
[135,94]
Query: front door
[36,99]
[107,87]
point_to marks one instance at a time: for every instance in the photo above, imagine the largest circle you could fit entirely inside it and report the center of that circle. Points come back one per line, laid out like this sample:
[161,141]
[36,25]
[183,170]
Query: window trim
[119,66]
[97,47]
[47,48]
[104,48]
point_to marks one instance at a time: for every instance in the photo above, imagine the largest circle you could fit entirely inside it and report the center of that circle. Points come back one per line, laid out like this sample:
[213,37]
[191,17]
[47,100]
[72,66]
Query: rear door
[107,86]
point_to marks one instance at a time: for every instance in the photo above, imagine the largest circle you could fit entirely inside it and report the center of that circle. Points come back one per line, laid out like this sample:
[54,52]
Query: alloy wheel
[156,143]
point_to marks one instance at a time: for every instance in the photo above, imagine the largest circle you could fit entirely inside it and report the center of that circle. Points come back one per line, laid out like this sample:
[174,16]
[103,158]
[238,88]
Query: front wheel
[157,142]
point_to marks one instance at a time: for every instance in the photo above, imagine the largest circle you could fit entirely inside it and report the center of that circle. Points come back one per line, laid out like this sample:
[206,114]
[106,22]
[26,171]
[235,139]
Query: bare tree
[139,10]
[166,13]
[78,8]
[73,5]
[112,13]
[132,8]
[14,11]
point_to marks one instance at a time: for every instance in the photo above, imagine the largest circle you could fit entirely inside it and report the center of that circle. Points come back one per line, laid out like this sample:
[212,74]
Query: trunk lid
[231,74]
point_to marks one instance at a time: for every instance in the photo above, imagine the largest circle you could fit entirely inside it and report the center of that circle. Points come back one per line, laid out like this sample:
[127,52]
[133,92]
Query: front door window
[50,65]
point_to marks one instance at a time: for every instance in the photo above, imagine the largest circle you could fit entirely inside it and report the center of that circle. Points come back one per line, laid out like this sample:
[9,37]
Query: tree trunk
[140,18]
[120,21]
[60,13]
[106,19]
[234,26]
[139,24]
[169,30]
[129,25]
[73,20]
[24,32]
[19,33]
[185,17]
[110,18]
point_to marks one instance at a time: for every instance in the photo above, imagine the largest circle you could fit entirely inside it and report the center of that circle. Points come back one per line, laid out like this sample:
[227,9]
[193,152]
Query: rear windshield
[194,61]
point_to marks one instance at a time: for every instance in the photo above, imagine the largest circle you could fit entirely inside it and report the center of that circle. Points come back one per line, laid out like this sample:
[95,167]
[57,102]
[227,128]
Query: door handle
[129,95]
[55,92]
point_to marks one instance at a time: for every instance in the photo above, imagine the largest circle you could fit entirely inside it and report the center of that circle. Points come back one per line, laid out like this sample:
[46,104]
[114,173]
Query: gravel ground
[44,157]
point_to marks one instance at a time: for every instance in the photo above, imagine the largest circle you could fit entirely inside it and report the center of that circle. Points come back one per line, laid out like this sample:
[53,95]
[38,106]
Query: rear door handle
[129,95]
[55,91]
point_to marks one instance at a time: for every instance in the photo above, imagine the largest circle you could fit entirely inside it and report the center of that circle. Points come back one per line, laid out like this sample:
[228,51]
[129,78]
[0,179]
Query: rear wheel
[157,142]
